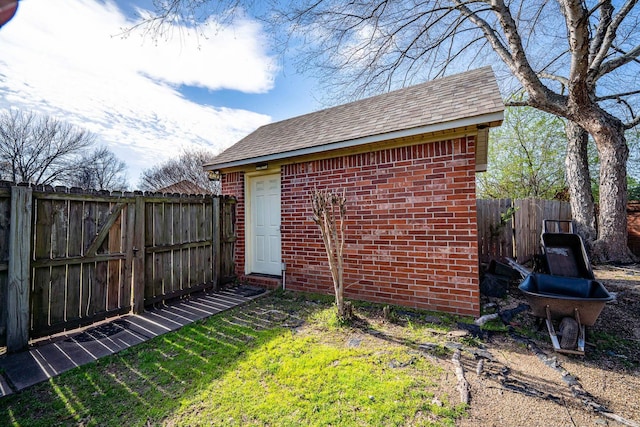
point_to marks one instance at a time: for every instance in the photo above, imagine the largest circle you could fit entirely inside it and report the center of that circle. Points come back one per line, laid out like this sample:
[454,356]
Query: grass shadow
[271,361]
[145,382]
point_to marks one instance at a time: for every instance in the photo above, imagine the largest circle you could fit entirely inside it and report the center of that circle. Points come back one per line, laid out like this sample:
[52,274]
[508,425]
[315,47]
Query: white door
[264,240]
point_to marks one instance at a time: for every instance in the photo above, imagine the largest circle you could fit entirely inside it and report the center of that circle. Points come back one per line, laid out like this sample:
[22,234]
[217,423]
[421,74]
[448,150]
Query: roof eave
[438,127]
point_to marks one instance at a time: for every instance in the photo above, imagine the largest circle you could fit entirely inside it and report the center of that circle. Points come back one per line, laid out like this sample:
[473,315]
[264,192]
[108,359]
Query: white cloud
[65,58]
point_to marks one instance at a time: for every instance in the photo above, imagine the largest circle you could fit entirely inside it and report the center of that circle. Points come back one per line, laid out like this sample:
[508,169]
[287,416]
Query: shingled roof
[464,99]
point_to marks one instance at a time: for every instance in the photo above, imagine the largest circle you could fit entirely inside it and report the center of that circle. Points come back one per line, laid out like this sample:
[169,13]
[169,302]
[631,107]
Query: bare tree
[568,57]
[39,149]
[576,59]
[99,170]
[329,210]
[187,167]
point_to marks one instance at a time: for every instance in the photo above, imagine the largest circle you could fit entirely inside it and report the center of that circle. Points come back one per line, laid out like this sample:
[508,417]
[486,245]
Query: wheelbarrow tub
[565,255]
[564,295]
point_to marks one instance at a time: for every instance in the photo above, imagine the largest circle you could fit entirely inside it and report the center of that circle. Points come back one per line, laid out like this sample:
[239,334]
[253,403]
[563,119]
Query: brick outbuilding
[406,160]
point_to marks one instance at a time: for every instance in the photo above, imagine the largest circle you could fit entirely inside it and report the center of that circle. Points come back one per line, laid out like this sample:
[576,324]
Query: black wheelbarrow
[569,292]
[560,298]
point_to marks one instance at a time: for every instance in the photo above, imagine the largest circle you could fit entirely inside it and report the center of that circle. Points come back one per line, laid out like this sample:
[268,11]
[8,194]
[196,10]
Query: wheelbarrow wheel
[569,330]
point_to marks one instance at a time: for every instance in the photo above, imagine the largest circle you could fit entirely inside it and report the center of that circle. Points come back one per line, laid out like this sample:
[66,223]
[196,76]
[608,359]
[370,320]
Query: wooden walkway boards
[51,357]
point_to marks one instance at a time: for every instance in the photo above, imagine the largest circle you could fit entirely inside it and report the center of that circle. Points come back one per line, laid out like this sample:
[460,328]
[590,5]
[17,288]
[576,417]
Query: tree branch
[604,44]
[577,20]
[633,123]
[617,95]
[618,62]
[595,50]
[514,56]
[517,104]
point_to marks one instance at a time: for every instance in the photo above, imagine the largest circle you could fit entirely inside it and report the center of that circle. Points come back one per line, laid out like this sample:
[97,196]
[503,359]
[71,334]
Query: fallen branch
[463,385]
[478,353]
[505,315]
[480,321]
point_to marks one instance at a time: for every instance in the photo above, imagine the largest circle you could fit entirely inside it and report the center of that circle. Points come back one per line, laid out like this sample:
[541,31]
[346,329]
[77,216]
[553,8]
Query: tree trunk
[579,182]
[611,246]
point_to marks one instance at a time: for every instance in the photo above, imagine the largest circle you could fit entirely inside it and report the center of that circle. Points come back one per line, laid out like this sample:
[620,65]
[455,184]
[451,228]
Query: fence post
[19,269]
[139,257]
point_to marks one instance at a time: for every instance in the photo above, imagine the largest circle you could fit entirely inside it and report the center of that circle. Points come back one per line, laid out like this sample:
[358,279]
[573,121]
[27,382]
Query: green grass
[281,361]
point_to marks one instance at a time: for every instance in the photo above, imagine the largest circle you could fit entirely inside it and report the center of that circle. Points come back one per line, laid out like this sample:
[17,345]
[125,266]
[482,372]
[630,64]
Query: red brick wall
[411,225]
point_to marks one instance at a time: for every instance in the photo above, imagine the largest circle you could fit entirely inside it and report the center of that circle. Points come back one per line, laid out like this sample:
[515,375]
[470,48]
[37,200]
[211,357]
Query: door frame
[248,220]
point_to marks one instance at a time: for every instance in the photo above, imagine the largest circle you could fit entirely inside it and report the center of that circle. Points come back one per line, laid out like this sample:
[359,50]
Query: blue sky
[145,100]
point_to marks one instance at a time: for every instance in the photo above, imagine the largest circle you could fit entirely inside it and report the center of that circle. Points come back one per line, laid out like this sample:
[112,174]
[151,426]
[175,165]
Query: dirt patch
[520,387]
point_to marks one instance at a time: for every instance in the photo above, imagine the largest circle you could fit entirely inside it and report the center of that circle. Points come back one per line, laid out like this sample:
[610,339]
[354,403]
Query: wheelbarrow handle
[557,222]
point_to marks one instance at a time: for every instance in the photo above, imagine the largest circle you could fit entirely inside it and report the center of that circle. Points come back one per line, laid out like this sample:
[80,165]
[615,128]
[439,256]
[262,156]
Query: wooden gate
[82,260]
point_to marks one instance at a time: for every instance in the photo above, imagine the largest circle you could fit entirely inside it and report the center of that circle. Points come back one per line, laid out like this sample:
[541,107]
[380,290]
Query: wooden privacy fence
[70,258]
[512,228]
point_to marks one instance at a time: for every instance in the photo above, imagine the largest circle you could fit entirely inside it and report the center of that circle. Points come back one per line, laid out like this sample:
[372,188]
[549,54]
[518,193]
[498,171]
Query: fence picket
[185,232]
[114,272]
[176,255]
[42,275]
[167,257]
[195,252]
[74,249]
[5,209]
[98,301]
[139,255]
[158,257]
